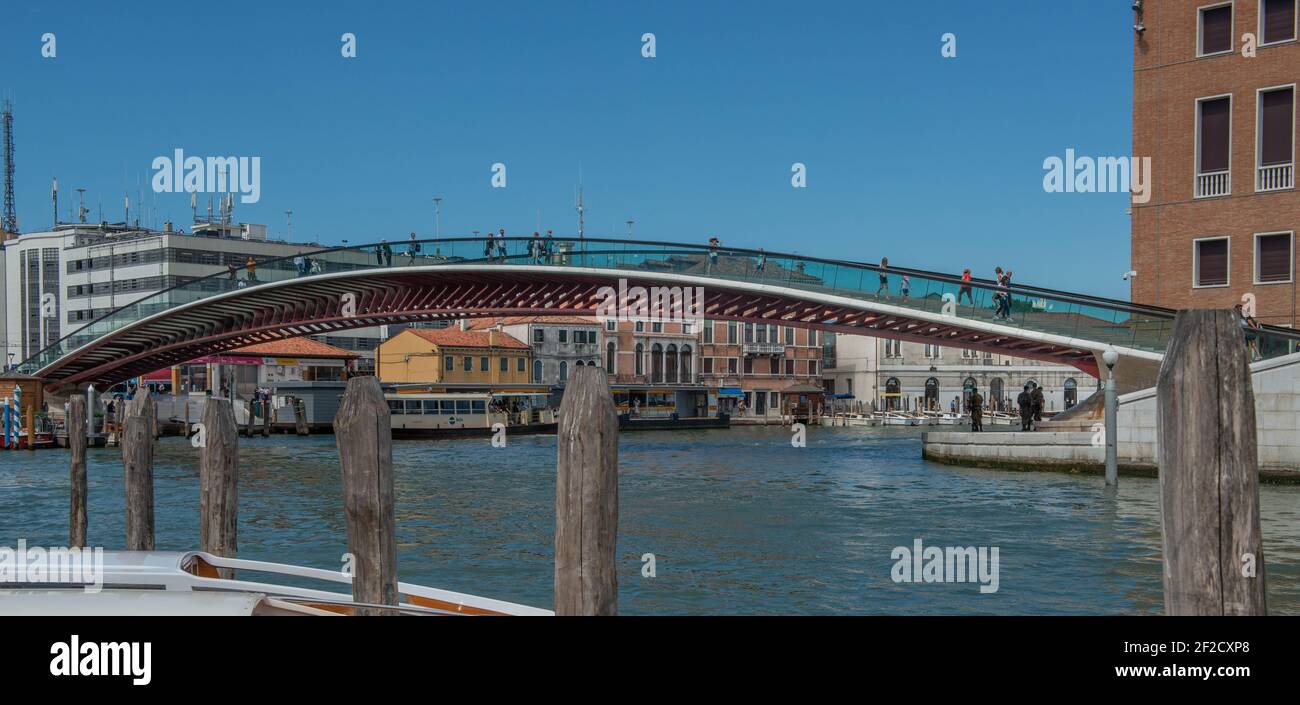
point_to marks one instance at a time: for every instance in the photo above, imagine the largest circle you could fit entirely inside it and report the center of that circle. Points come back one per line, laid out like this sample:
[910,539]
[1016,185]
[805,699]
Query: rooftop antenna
[437,216]
[81,205]
[9,222]
[288,224]
[194,205]
[54,196]
[127,200]
[629,228]
[581,211]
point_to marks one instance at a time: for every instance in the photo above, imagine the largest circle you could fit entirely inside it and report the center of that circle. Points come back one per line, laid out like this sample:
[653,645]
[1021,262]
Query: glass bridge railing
[1103,321]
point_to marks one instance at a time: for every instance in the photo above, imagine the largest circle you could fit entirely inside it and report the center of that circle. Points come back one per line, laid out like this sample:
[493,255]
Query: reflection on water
[738,521]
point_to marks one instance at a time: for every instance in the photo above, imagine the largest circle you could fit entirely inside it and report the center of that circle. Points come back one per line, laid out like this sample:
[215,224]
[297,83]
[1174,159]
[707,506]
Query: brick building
[766,366]
[1214,88]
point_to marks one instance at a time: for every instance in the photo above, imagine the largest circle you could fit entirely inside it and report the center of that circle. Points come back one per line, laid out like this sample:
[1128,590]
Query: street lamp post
[1110,357]
[437,217]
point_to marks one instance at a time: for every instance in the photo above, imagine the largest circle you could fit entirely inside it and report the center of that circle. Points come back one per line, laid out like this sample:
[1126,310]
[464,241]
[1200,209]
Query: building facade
[557,344]
[58,281]
[865,374]
[261,365]
[1214,108]
[453,356]
[760,369]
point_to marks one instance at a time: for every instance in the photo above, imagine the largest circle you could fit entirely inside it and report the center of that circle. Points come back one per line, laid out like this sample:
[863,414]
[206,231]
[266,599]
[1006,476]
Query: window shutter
[1279,20]
[1276,126]
[1274,258]
[1216,29]
[1214,135]
[1212,268]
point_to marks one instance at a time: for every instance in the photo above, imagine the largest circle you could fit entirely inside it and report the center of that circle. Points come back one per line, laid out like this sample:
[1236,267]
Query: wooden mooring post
[1209,470]
[137,463]
[363,431]
[76,423]
[586,498]
[219,482]
[300,417]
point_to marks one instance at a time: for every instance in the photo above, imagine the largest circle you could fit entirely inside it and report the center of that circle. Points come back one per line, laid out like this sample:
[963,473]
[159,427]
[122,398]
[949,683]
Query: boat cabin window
[430,406]
[413,407]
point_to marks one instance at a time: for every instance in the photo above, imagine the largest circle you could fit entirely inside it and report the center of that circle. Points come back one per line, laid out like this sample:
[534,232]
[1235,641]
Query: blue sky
[934,162]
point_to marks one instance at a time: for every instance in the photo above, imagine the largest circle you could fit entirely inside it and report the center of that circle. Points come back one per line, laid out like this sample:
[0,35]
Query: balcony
[1215,183]
[1277,177]
[763,349]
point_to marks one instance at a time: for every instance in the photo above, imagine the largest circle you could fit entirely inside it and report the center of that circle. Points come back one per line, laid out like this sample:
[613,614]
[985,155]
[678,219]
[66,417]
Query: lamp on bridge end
[1110,357]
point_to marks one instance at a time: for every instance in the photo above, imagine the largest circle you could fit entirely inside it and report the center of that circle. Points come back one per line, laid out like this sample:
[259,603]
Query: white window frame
[1255,243]
[1196,263]
[1295,30]
[1200,30]
[1259,130]
[1196,135]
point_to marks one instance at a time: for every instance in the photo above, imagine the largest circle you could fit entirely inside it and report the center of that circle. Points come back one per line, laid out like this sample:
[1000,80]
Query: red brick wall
[1168,78]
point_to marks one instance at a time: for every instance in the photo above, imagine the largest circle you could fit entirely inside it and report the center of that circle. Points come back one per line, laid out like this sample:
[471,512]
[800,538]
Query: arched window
[640,360]
[931,394]
[995,393]
[687,377]
[1071,392]
[893,394]
[537,371]
[656,363]
[670,364]
[611,357]
[564,371]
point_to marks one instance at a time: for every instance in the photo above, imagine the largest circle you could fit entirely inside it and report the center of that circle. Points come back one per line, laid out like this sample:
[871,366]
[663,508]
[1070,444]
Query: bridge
[368,285]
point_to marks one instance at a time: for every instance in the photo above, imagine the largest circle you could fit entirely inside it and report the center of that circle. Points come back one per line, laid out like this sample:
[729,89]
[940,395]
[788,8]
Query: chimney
[464,324]
[167,226]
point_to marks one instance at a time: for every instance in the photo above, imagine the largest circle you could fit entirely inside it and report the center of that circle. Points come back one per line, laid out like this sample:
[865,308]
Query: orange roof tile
[457,338]
[294,347]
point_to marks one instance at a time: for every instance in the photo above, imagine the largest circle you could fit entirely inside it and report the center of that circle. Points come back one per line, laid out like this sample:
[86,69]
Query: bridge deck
[452,277]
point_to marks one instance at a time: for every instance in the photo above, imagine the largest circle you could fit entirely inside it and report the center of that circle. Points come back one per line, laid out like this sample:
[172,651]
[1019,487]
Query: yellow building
[452,356]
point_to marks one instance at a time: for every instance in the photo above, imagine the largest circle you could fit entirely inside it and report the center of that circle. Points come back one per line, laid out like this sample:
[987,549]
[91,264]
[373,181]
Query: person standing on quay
[884,277]
[713,254]
[1026,403]
[489,246]
[501,245]
[975,405]
[1036,400]
[965,287]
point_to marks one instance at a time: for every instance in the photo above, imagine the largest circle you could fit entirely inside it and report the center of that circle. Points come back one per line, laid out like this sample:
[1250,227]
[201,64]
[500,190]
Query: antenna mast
[10,219]
[581,211]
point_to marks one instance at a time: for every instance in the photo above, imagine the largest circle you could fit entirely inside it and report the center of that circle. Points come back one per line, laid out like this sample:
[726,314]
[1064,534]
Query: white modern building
[874,373]
[59,280]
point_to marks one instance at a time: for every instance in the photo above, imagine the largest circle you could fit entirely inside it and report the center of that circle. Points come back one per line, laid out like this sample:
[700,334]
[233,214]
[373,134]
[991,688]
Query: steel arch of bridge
[315,305]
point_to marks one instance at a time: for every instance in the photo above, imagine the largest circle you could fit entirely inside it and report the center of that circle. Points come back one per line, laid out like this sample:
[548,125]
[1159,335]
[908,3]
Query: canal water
[738,521]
